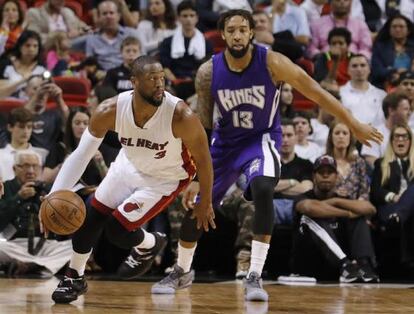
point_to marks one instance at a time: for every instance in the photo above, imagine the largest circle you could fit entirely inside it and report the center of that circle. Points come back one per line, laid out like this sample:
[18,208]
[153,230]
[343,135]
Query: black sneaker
[138,263]
[367,274]
[70,287]
[349,273]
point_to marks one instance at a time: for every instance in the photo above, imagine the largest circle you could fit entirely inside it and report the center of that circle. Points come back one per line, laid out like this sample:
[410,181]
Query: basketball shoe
[177,279]
[350,272]
[254,288]
[139,261]
[70,287]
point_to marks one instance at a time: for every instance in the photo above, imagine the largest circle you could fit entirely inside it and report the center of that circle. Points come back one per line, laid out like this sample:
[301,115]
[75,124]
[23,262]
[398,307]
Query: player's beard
[238,53]
[151,100]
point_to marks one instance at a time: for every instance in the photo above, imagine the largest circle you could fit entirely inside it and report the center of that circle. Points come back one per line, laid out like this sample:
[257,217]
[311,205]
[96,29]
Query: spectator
[20,125]
[393,51]
[352,173]
[159,24]
[129,12]
[392,188]
[11,24]
[316,8]
[286,101]
[53,16]
[118,79]
[23,248]
[406,85]
[47,124]
[24,61]
[295,176]
[182,53]
[59,59]
[391,8]
[340,17]
[105,45]
[96,170]
[361,97]
[336,224]
[305,148]
[397,109]
[290,18]
[331,67]
[320,127]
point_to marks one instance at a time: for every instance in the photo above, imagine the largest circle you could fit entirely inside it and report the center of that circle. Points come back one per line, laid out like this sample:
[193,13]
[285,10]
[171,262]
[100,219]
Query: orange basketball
[63,212]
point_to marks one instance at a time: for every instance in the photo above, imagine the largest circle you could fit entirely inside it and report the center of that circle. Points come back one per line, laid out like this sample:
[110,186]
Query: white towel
[197,46]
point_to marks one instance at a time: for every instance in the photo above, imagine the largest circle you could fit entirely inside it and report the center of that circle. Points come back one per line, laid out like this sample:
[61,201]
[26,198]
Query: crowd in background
[360,51]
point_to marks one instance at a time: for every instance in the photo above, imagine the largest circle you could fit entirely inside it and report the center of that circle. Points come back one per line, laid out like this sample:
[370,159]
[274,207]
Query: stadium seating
[75,90]
[215,38]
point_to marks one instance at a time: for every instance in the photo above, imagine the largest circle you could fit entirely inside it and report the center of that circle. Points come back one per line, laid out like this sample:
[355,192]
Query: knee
[116,233]
[263,187]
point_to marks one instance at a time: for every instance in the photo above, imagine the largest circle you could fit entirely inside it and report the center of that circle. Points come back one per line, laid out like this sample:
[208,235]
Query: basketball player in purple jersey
[238,93]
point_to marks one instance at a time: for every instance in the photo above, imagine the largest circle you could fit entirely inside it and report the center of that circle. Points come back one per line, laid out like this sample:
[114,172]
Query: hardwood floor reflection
[33,296]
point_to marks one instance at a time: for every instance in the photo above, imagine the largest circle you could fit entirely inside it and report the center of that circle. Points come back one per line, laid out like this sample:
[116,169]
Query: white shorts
[133,197]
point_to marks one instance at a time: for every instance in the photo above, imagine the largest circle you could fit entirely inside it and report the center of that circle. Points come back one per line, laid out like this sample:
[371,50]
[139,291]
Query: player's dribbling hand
[190,194]
[365,133]
[204,215]
[43,229]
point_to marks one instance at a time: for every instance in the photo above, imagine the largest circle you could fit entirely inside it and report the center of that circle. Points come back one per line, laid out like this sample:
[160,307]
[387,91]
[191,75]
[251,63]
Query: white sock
[148,242]
[185,257]
[78,262]
[258,256]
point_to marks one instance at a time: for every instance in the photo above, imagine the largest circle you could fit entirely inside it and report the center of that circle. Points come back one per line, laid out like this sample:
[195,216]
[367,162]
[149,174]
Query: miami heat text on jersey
[153,149]
[246,103]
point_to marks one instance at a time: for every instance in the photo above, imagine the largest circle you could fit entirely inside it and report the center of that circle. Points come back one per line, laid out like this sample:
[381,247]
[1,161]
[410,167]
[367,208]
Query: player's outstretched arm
[187,126]
[204,106]
[102,120]
[282,69]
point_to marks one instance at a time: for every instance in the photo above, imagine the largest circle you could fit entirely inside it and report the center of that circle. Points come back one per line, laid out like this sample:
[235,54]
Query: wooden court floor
[33,296]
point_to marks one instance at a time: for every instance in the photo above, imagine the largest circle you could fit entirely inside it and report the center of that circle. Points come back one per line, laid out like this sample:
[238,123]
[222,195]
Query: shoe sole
[66,301]
[169,290]
[259,296]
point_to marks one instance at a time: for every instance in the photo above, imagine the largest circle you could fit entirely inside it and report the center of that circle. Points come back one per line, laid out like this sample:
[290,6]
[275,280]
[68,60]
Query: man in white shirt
[406,85]
[359,96]
[397,109]
[314,9]
[20,125]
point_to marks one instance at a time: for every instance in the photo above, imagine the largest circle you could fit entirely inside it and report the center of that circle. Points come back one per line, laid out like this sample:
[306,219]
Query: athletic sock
[258,256]
[185,257]
[147,243]
[78,262]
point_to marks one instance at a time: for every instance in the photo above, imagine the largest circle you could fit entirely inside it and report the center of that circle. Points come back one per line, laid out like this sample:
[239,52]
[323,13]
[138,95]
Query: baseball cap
[324,160]
[407,75]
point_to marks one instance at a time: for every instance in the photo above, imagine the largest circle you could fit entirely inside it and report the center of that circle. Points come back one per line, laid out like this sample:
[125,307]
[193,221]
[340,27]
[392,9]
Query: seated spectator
[159,23]
[286,101]
[11,24]
[96,170]
[392,188]
[105,45]
[331,67]
[59,59]
[320,127]
[290,18]
[129,12]
[53,16]
[295,176]
[340,17]
[118,79]
[359,96]
[352,173]
[406,85]
[391,8]
[304,148]
[23,249]
[47,124]
[393,51]
[337,225]
[316,8]
[19,125]
[182,53]
[24,61]
[397,110]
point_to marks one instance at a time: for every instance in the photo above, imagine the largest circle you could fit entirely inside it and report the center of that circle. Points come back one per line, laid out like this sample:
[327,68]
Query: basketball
[63,212]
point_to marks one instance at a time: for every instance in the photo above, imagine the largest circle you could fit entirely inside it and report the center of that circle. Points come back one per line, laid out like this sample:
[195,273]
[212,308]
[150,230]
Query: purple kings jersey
[245,103]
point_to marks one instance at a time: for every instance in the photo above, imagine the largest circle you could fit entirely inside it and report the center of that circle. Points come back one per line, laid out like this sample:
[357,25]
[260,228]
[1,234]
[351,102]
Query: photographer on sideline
[22,249]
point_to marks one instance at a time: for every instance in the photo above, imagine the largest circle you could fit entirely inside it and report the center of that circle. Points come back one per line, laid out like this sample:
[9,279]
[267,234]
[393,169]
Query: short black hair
[392,101]
[230,13]
[340,32]
[186,5]
[287,122]
[140,62]
[358,55]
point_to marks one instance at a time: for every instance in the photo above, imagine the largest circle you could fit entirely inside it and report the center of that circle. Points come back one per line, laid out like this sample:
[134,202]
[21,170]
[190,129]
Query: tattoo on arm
[204,107]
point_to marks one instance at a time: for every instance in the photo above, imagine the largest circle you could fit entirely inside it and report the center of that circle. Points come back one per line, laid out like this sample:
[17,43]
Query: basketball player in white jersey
[163,143]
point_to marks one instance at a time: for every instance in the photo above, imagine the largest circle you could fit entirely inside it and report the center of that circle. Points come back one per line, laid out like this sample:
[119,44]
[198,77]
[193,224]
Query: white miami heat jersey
[153,149]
